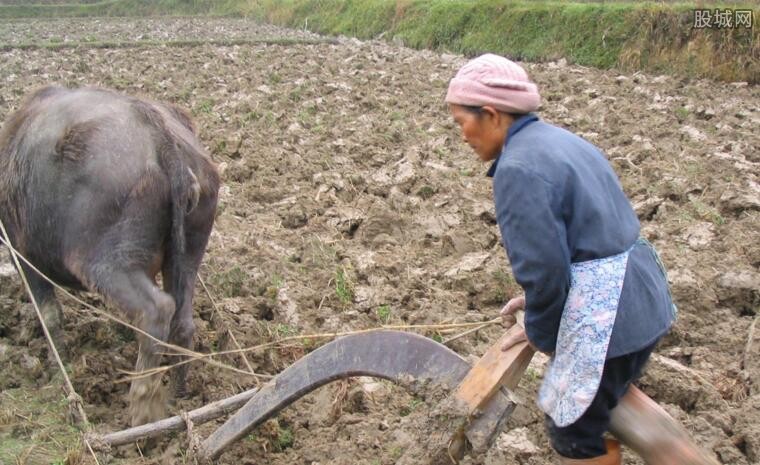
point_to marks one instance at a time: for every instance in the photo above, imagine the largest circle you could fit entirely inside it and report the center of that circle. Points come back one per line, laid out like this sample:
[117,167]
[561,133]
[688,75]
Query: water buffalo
[101,191]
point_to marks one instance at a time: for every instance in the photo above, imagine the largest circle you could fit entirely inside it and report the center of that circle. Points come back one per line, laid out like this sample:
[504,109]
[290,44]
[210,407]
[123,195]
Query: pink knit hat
[494,80]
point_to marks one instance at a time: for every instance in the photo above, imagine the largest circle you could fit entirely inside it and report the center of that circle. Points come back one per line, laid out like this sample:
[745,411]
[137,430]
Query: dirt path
[349,201]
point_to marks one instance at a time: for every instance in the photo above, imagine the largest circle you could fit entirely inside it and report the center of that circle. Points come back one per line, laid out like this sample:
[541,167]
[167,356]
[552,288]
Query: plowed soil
[349,202]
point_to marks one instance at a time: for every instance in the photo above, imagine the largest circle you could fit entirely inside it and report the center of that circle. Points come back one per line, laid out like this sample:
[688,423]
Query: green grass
[426,192]
[343,287]
[230,283]
[707,212]
[285,439]
[33,426]
[396,452]
[681,113]
[634,35]
[384,314]
[407,410]
[282,330]
[205,106]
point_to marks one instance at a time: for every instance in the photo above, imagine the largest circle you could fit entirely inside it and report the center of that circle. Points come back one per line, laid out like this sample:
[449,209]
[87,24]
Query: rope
[74,399]
[196,356]
[229,331]
[147,373]
[89,447]
[193,440]
[470,331]
[5,241]
[177,349]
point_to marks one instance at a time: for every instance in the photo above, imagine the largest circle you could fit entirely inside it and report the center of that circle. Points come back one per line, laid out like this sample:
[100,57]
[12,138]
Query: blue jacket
[559,202]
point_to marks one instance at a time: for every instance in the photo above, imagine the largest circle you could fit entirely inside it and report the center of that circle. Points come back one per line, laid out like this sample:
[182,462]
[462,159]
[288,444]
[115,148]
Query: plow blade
[394,355]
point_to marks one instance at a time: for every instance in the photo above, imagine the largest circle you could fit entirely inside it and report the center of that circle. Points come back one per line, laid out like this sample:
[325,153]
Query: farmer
[595,294]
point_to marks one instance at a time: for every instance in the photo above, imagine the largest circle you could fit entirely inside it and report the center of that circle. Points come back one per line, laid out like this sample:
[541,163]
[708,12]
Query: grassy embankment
[654,37]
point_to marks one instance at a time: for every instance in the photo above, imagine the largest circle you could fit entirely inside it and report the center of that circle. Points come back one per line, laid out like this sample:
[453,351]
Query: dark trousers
[583,439]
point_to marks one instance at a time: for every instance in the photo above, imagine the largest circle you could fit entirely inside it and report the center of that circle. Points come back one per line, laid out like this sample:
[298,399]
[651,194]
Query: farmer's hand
[516,338]
[507,313]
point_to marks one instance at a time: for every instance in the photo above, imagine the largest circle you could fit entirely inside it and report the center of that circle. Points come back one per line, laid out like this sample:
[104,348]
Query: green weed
[681,113]
[283,330]
[411,407]
[205,106]
[230,283]
[343,287]
[707,212]
[504,278]
[82,68]
[505,286]
[285,439]
[273,289]
[220,147]
[252,115]
[296,94]
[309,344]
[426,192]
[396,115]
[384,314]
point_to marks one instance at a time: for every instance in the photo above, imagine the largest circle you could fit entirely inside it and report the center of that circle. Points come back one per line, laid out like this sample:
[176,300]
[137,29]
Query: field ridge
[651,37]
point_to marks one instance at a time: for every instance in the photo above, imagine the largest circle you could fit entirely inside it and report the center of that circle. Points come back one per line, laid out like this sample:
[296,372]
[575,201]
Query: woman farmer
[595,294]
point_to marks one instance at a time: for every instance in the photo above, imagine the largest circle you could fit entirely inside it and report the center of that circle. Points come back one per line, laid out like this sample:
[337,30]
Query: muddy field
[350,202]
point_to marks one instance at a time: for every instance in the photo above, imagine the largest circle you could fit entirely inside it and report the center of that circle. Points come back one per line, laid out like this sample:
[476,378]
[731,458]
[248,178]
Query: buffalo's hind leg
[122,269]
[198,228]
[147,396]
[151,310]
[182,329]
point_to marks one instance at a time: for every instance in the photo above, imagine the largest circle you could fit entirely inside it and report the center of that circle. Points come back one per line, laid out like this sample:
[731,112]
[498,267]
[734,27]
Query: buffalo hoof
[147,401]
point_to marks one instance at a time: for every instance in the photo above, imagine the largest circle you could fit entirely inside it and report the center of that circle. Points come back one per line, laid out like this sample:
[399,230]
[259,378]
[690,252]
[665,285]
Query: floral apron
[575,370]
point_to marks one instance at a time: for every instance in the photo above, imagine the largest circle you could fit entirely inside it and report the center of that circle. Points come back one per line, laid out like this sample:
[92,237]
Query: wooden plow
[479,392]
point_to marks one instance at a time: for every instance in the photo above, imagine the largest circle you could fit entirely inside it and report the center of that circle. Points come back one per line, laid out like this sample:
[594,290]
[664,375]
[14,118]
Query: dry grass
[667,42]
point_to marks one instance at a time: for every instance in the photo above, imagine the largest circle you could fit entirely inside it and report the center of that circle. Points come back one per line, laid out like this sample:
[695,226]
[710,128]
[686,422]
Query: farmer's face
[484,131]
